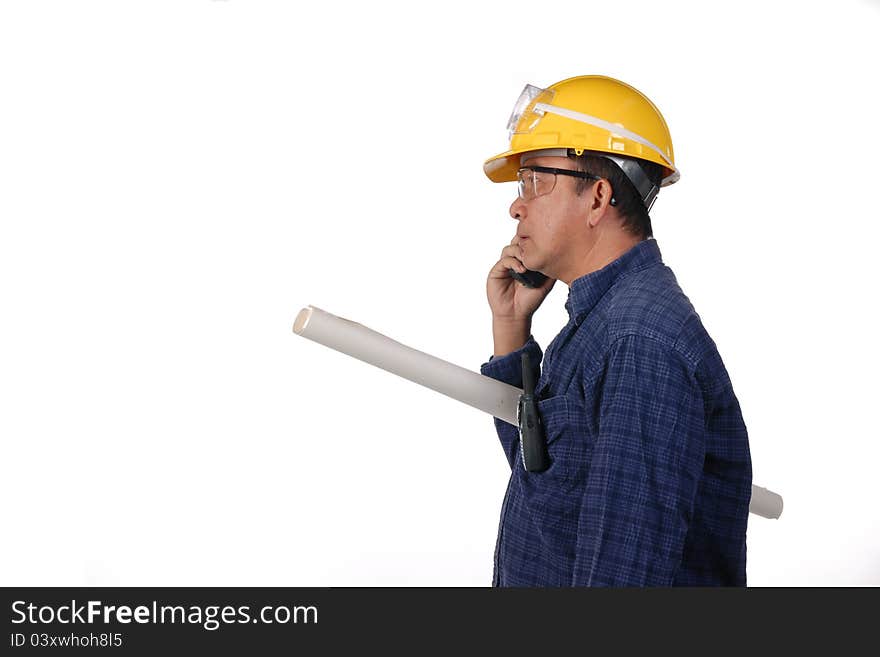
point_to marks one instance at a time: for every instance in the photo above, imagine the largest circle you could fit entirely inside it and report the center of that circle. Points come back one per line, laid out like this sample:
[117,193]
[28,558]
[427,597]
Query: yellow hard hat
[585,113]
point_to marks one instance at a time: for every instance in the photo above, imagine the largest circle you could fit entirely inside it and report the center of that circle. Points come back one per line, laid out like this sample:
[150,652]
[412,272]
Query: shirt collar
[586,291]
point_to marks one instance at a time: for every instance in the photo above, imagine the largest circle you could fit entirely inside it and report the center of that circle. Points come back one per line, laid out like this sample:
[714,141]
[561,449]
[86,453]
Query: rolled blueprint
[482,392]
[488,395]
[765,503]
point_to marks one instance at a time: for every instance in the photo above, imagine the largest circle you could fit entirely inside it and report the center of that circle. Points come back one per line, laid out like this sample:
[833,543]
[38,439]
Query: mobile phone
[528,278]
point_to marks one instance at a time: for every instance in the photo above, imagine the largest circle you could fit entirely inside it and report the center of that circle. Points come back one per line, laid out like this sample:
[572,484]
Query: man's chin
[534,265]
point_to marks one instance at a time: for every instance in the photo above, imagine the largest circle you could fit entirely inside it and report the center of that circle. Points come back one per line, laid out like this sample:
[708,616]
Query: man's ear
[599,200]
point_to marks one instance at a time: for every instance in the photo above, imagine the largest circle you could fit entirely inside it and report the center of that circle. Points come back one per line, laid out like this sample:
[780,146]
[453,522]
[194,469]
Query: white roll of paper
[474,389]
[765,503]
[482,392]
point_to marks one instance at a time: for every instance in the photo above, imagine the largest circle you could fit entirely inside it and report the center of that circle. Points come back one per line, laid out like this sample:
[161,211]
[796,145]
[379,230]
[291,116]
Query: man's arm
[644,470]
[512,306]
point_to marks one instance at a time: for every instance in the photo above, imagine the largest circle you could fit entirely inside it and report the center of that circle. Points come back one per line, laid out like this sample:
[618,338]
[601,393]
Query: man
[650,474]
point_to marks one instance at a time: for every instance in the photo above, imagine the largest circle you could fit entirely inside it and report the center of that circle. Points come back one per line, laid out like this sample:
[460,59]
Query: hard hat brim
[504,166]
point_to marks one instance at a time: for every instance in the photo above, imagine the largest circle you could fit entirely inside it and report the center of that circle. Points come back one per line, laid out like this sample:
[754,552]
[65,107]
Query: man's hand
[512,303]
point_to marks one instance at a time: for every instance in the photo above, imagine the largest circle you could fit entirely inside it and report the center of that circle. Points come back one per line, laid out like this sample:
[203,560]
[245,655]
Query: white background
[178,179]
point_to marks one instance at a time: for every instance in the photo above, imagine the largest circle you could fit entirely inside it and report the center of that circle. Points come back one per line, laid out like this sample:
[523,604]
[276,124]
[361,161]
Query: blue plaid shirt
[650,475]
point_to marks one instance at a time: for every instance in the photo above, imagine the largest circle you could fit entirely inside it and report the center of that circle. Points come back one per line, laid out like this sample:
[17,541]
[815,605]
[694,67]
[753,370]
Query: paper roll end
[766,503]
[302,320]
[778,509]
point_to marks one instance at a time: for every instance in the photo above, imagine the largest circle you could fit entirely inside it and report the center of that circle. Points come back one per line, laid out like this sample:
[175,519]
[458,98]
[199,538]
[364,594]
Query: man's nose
[518,208]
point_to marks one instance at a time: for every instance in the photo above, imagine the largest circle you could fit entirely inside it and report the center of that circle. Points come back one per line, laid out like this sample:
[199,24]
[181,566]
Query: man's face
[553,230]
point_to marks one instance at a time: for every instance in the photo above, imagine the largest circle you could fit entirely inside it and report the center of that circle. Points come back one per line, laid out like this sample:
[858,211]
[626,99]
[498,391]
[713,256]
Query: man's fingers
[511,250]
[507,262]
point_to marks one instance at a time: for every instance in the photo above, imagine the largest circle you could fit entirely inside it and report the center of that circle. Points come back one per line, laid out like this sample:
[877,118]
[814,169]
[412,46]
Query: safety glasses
[524,116]
[538,181]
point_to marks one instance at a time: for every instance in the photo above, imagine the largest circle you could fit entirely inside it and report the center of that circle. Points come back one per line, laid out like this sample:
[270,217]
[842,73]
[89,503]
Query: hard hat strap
[605,125]
[646,189]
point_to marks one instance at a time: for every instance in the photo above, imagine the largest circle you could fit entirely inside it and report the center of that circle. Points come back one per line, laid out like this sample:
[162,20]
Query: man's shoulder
[649,303]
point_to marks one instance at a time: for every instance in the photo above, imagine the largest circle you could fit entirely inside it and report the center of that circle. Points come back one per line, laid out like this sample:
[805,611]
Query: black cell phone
[529,278]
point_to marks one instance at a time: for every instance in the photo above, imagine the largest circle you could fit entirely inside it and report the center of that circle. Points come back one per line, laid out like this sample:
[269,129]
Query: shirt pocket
[569,441]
